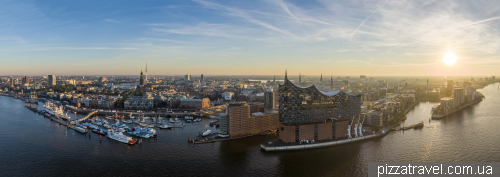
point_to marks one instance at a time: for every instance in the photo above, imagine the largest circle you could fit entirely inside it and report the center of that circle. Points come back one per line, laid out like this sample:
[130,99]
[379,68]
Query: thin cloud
[111,20]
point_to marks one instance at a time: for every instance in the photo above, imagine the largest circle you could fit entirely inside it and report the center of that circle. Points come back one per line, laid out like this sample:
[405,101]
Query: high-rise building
[52,80]
[270,99]
[321,78]
[187,77]
[459,96]
[25,80]
[202,78]
[362,77]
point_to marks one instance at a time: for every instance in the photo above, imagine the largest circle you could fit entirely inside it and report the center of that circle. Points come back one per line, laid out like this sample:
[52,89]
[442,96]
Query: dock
[55,119]
[419,125]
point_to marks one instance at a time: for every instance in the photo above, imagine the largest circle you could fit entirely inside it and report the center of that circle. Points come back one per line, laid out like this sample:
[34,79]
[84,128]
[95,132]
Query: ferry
[118,136]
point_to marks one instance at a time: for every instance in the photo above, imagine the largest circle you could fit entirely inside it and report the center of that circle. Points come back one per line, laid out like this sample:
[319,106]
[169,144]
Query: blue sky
[249,37]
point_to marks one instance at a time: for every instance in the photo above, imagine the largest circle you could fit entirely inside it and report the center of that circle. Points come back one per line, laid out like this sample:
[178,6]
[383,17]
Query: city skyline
[258,38]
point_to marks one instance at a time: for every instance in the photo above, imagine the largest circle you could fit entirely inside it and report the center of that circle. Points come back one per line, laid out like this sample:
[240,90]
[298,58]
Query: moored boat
[119,136]
[206,133]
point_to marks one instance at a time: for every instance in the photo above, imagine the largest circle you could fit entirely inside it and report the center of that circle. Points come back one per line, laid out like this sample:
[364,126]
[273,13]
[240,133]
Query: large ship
[118,136]
[50,108]
[57,111]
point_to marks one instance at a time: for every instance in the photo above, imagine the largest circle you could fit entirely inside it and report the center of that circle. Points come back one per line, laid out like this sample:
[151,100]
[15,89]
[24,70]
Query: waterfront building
[52,80]
[459,96]
[187,77]
[308,113]
[447,103]
[374,118]
[238,121]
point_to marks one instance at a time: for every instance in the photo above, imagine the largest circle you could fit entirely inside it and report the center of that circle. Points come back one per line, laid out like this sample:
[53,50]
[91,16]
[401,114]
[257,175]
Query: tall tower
[331,83]
[146,73]
[299,79]
[285,75]
[274,80]
[141,80]
[202,78]
[321,78]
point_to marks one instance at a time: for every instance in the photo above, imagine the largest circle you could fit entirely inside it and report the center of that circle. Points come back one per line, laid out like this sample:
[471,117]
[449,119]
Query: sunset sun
[450,58]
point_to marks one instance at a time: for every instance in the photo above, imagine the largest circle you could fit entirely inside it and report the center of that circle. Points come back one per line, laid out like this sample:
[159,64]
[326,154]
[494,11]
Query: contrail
[361,24]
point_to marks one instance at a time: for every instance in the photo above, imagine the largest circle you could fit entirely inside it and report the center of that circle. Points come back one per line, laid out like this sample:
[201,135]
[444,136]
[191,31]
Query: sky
[258,37]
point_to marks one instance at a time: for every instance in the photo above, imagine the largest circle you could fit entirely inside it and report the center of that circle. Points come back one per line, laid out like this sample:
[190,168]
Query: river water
[35,146]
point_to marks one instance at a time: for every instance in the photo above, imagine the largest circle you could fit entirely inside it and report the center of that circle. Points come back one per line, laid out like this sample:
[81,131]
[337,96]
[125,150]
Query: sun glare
[450,58]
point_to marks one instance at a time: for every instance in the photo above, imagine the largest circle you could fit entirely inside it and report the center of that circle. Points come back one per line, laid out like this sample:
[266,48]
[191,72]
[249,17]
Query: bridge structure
[89,115]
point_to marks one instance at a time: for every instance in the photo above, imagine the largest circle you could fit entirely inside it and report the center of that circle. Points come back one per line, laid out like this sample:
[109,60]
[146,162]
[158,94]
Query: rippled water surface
[35,146]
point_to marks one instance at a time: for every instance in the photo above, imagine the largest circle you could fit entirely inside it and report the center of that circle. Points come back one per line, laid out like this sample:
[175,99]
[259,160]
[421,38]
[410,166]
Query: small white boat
[177,120]
[81,130]
[165,127]
[172,120]
[150,126]
[143,125]
[188,118]
[206,133]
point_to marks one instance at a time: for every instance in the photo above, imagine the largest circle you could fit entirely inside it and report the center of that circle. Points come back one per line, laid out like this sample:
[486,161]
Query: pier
[55,119]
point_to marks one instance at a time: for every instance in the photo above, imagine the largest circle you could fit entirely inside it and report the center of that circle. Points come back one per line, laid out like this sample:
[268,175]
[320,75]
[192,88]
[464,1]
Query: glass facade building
[307,105]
